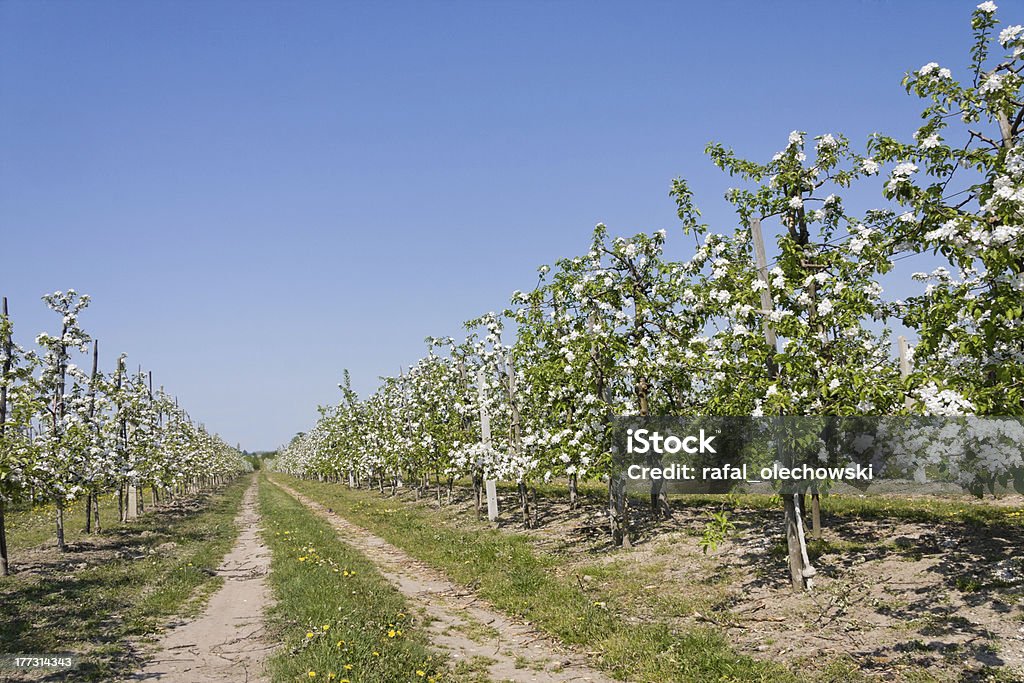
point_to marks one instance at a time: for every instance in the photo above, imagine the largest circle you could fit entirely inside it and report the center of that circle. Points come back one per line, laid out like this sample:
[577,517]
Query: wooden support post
[800,567]
[90,494]
[901,342]
[132,511]
[761,258]
[904,350]
[490,485]
[6,370]
[816,514]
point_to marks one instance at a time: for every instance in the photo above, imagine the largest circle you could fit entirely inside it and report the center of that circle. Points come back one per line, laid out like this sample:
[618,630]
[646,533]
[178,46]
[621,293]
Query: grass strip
[337,618]
[911,508]
[120,585]
[504,570]
[28,527]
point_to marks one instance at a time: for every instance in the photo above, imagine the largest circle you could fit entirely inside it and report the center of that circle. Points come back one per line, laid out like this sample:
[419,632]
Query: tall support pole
[91,497]
[6,370]
[905,368]
[490,485]
[800,569]
[901,342]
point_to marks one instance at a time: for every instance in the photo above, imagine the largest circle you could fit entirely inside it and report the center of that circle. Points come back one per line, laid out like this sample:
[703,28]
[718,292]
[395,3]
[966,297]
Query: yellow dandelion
[312,674]
[421,672]
[391,633]
[327,626]
[348,667]
[309,634]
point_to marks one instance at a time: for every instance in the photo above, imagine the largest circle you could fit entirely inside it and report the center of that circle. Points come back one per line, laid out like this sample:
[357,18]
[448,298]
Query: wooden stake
[901,342]
[800,567]
[485,435]
[6,370]
[761,257]
[90,496]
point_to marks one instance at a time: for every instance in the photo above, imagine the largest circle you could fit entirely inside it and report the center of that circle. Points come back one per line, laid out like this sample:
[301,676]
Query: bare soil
[892,598]
[227,642]
[460,623]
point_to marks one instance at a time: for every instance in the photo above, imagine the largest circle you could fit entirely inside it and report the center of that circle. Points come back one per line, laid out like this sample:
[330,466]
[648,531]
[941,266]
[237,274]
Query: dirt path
[225,643]
[459,623]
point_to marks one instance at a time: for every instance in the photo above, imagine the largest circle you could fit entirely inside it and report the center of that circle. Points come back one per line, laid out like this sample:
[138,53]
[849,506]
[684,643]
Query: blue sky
[260,194]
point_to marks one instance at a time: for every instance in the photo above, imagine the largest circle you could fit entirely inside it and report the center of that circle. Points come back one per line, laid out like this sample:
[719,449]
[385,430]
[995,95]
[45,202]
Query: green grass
[503,569]
[28,527]
[335,614]
[118,586]
[932,508]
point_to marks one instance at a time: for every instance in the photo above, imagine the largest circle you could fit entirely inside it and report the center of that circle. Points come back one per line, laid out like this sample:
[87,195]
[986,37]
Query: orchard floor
[912,597]
[226,643]
[112,590]
[892,599]
[463,628]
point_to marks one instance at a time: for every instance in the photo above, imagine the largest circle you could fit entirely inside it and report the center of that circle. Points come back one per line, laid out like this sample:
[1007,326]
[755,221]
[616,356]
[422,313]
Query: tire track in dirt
[226,643]
[514,651]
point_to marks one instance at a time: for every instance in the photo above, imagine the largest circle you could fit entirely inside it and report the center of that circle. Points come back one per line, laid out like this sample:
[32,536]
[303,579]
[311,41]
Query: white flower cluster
[944,402]
[900,174]
[933,68]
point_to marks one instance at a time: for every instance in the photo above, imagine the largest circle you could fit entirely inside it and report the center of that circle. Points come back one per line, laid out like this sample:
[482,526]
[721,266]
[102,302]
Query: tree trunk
[5,568]
[478,484]
[96,511]
[659,500]
[88,512]
[574,495]
[618,511]
[533,507]
[61,545]
[524,504]
[815,515]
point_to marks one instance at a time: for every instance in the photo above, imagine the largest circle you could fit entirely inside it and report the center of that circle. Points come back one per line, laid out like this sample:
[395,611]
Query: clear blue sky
[260,194]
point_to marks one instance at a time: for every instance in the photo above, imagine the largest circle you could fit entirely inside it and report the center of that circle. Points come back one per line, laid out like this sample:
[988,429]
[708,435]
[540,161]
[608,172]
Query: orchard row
[69,434]
[802,327]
